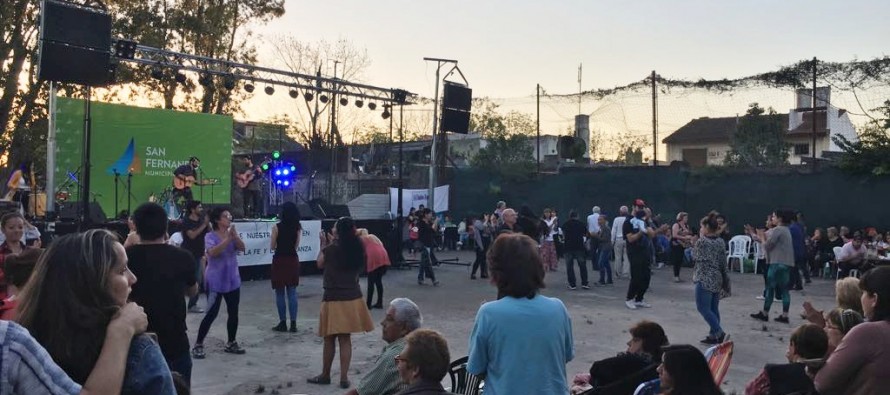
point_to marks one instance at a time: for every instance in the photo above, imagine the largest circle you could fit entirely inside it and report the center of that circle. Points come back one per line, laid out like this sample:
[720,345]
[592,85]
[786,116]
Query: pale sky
[506,47]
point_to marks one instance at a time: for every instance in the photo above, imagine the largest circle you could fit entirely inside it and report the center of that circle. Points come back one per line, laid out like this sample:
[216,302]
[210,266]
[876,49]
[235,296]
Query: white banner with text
[257,236]
[416,197]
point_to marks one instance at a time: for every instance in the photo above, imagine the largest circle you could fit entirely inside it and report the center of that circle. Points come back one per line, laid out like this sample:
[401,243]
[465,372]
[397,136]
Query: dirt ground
[281,362]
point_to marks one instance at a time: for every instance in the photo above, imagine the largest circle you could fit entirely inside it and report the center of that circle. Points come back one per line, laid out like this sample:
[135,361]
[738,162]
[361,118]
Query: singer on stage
[184,177]
[248,180]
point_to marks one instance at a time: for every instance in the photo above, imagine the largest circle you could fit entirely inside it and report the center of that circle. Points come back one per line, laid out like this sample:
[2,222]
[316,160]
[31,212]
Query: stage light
[294,94]
[265,166]
[278,172]
[385,114]
[372,106]
[344,101]
[308,96]
[180,77]
[323,99]
[157,72]
[285,172]
[293,168]
[248,87]
[286,183]
[205,79]
[125,49]
[229,82]
[359,103]
[278,182]
[270,90]
[276,155]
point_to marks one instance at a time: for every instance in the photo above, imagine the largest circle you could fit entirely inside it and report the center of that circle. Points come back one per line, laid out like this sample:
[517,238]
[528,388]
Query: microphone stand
[129,191]
[201,182]
[116,179]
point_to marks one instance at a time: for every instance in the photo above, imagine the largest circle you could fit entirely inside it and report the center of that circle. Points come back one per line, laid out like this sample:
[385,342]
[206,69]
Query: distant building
[705,141]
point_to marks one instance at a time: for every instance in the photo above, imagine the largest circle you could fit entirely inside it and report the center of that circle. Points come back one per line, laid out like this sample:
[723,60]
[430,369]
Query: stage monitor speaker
[455,121]
[457,97]
[338,210]
[69,212]
[75,44]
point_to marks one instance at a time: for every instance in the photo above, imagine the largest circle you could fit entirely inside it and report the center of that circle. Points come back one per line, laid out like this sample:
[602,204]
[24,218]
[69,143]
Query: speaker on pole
[75,44]
[456,104]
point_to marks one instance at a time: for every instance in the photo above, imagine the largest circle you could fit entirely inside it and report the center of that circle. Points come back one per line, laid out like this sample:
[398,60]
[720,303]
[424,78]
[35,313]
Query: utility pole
[538,124]
[433,165]
[579,87]
[815,64]
[654,122]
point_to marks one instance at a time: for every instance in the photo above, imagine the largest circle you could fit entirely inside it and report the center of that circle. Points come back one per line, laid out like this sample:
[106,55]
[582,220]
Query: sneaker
[760,297]
[760,316]
[293,326]
[196,309]
[643,304]
[419,282]
[600,283]
[710,341]
[472,277]
[234,348]
[782,318]
[281,327]
[585,287]
[660,265]
[630,304]
[436,283]
[677,280]
[571,287]
[198,352]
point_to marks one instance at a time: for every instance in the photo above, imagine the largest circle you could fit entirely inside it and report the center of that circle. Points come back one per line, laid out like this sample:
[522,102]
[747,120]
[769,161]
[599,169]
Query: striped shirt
[383,378]
[26,367]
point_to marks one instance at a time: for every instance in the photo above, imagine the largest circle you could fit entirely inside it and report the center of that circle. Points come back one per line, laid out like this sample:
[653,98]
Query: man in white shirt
[852,256]
[620,264]
[593,228]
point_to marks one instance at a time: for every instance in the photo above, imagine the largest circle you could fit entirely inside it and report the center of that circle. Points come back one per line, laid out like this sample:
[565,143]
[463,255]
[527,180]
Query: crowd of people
[91,315]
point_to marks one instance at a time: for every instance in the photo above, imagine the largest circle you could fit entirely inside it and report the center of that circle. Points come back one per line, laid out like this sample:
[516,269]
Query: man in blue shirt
[798,235]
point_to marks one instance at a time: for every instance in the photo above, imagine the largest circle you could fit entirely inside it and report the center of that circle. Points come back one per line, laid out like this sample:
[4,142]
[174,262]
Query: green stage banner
[146,142]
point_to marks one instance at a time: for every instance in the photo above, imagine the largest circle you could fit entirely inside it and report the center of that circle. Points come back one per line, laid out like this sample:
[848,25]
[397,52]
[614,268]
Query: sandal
[319,380]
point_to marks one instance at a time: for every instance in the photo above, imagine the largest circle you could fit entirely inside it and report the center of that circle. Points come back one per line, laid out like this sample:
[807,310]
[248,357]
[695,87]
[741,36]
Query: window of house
[801,149]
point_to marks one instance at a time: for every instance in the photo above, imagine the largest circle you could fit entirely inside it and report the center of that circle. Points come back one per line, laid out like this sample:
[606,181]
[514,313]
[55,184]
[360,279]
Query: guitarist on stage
[184,177]
[248,180]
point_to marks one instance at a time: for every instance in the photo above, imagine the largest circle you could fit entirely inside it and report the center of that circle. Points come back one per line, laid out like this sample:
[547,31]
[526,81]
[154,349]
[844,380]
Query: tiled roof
[710,130]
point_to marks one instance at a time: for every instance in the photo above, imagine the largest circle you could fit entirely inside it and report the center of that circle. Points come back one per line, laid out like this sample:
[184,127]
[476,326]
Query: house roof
[710,130]
[806,127]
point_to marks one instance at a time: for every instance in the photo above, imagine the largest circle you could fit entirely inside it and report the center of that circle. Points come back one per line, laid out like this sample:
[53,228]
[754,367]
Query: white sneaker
[630,304]
[660,265]
[759,297]
[643,304]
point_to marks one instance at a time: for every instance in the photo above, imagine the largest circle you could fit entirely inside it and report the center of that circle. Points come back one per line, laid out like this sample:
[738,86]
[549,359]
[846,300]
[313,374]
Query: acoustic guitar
[182,182]
[244,179]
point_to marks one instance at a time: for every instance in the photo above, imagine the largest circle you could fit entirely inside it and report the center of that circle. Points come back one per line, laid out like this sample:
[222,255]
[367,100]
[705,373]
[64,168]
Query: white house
[705,141]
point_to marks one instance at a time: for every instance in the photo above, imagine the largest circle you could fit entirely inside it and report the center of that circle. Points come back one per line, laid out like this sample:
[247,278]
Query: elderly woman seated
[847,296]
[424,362]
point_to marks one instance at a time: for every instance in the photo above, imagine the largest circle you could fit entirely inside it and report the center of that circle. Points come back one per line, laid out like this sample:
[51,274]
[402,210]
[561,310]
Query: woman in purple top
[222,280]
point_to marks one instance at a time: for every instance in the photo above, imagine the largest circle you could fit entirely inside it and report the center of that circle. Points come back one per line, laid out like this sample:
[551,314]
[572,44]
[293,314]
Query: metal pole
[432,187]
[538,125]
[399,218]
[815,63]
[654,122]
[85,185]
[51,153]
[332,166]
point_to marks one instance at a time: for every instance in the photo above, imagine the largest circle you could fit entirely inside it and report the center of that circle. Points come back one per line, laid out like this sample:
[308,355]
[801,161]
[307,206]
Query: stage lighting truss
[205,68]
[283,173]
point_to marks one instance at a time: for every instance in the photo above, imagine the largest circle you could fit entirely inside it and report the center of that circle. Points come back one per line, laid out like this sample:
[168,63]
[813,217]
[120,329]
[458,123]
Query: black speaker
[337,211]
[75,44]
[69,212]
[306,211]
[455,121]
[457,97]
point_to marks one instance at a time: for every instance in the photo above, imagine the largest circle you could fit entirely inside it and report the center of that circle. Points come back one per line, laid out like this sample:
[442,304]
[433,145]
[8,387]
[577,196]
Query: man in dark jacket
[574,231]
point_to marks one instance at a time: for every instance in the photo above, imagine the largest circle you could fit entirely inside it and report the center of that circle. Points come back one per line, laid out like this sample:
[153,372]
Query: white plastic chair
[758,254]
[738,248]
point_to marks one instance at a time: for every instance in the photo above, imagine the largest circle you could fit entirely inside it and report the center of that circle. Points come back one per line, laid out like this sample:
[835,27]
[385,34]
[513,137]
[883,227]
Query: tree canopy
[870,154]
[759,140]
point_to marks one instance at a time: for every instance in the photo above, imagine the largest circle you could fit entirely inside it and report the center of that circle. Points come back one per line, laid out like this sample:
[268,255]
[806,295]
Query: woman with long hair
[377,262]
[709,255]
[78,286]
[681,239]
[221,279]
[286,264]
[342,310]
[684,371]
[859,363]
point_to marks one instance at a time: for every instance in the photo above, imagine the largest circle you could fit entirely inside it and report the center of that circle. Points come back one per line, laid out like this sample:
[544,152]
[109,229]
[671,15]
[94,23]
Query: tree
[312,58]
[759,140]
[486,119]
[870,154]
[507,151]
[629,148]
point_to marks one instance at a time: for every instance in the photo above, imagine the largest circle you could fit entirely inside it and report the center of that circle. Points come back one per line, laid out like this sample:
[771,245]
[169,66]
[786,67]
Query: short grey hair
[407,312]
[596,209]
[622,209]
[501,203]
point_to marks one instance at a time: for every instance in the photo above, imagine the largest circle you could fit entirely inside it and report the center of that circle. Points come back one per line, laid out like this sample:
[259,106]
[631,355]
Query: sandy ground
[281,362]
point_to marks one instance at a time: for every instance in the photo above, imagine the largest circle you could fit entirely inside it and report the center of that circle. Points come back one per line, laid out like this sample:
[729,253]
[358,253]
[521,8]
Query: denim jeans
[579,257]
[426,265]
[291,302]
[605,267]
[708,305]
